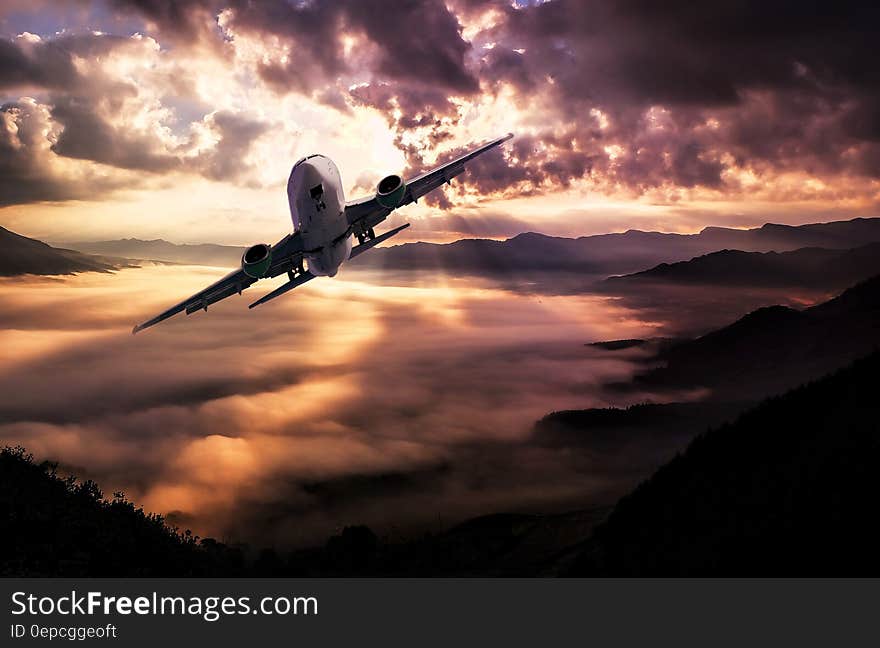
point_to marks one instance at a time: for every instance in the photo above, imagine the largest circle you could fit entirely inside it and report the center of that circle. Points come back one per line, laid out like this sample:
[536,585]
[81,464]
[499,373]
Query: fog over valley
[290,420]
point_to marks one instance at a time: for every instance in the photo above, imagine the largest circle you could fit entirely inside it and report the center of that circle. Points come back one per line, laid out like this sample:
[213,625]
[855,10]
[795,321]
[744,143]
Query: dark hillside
[50,526]
[813,267]
[775,348]
[23,255]
[790,489]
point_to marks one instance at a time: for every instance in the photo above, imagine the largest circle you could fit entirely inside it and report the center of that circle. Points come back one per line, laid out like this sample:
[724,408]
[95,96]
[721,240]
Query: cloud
[280,429]
[85,134]
[690,95]
[30,61]
[182,22]
[736,102]
[319,41]
[630,97]
[86,107]
[235,133]
[29,169]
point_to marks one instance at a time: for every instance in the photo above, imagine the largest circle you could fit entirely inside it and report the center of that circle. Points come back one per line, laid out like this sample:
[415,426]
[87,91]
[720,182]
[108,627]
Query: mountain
[22,255]
[773,348]
[159,250]
[772,236]
[789,489]
[815,267]
[615,253]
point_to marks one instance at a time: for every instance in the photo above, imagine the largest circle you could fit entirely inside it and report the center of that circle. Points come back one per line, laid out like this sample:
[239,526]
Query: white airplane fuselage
[317,209]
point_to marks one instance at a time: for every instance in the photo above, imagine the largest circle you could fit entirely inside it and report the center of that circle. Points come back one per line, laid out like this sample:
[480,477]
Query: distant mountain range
[159,250]
[530,252]
[788,489]
[23,255]
[814,267]
[615,253]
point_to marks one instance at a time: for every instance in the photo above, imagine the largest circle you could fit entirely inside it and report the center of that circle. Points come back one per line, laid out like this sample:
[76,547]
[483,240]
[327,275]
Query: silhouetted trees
[54,526]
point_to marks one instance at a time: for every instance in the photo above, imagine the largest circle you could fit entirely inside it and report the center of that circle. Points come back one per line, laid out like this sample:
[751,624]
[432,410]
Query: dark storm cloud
[791,85]
[52,67]
[22,179]
[87,135]
[50,63]
[186,21]
[236,132]
[684,91]
[677,53]
[399,30]
[414,41]
[630,94]
[26,171]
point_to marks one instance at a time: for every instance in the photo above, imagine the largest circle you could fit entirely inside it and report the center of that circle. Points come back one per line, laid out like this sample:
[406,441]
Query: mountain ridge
[616,253]
[22,255]
[611,253]
[772,348]
[812,266]
[162,250]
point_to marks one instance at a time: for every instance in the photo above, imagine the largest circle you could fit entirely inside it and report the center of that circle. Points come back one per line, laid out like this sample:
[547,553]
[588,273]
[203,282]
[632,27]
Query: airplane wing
[286,255]
[366,213]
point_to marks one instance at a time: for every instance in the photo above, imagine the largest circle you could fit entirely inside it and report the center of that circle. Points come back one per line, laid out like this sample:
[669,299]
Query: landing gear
[363,237]
[296,271]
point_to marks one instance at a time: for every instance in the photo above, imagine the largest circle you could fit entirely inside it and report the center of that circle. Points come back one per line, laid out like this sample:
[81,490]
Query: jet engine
[256,260]
[390,190]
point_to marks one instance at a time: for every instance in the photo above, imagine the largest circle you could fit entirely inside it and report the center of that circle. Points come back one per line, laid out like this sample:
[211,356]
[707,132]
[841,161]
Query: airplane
[323,226]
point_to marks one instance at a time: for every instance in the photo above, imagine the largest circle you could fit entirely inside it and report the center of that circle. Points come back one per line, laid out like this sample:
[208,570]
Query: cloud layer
[347,403]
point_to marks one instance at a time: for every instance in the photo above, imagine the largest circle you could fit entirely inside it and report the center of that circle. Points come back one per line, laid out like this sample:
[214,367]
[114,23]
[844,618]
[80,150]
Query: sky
[181,120]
